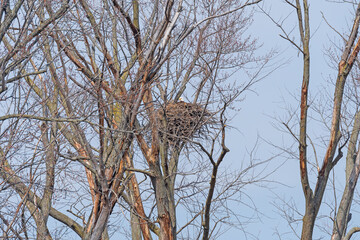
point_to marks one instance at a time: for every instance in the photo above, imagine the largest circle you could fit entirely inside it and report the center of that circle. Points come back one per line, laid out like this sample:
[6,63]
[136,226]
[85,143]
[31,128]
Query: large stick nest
[182,121]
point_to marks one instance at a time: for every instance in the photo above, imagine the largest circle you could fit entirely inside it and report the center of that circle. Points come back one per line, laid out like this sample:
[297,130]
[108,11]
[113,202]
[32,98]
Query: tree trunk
[135,227]
[308,223]
[165,207]
[342,216]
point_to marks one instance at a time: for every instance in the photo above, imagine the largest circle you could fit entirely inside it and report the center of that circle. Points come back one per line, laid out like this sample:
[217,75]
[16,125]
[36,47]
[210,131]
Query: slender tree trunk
[342,216]
[314,198]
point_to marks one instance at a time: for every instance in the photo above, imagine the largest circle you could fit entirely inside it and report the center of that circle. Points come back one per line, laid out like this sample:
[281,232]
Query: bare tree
[337,138]
[105,125]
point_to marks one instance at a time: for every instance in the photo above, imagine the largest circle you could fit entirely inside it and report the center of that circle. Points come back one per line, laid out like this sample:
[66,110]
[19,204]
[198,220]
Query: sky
[270,102]
[257,122]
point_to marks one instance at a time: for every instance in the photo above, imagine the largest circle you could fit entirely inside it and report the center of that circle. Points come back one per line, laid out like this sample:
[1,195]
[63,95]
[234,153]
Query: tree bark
[313,200]
[165,208]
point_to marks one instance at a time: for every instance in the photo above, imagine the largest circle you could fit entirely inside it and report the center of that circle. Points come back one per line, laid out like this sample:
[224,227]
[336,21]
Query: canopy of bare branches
[84,142]
[94,143]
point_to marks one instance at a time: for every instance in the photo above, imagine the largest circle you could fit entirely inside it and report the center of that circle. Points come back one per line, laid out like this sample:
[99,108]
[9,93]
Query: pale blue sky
[272,98]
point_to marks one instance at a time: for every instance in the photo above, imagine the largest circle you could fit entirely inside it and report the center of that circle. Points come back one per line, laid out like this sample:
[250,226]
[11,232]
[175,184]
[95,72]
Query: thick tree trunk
[165,207]
[166,213]
[308,223]
[101,222]
[138,224]
[135,227]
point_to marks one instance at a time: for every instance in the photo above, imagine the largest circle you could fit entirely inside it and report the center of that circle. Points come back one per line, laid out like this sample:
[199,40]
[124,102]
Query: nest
[182,121]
